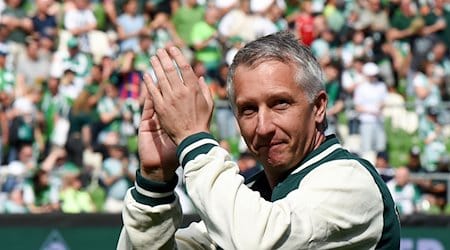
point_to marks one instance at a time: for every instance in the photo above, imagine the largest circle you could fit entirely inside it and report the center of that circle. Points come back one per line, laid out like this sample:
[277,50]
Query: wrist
[157,174]
[179,139]
[153,193]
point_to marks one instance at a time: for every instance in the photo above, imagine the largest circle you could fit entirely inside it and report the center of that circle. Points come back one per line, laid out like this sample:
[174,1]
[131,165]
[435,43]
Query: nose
[265,126]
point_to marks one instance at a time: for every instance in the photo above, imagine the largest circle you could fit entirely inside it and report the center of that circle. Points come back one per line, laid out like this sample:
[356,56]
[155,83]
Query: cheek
[247,129]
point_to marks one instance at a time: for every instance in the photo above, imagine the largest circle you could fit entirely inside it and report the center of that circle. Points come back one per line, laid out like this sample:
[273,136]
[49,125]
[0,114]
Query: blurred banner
[101,231]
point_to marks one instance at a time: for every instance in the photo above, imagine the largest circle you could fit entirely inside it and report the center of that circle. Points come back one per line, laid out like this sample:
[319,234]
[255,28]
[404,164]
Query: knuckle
[185,67]
[170,68]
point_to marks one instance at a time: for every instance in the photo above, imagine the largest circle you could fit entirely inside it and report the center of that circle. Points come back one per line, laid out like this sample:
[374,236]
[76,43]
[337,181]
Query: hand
[157,151]
[183,102]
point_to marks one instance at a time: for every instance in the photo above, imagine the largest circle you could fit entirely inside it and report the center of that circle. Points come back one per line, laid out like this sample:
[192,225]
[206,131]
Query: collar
[330,144]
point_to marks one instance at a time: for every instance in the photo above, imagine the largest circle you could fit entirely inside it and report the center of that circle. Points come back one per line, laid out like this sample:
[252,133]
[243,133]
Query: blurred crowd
[71,88]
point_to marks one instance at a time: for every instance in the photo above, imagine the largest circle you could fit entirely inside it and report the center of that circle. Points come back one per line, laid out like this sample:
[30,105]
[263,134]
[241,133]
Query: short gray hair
[284,47]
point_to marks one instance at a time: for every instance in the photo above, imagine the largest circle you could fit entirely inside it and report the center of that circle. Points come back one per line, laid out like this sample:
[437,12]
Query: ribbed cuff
[194,145]
[153,193]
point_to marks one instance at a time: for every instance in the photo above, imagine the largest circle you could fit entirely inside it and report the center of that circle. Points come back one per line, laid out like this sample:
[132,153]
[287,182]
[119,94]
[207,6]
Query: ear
[320,107]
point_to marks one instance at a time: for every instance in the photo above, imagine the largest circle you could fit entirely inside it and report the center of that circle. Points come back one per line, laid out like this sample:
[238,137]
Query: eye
[247,110]
[281,104]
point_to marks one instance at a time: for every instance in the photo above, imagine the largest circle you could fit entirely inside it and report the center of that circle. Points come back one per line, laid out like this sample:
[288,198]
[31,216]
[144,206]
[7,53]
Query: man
[404,192]
[369,98]
[312,194]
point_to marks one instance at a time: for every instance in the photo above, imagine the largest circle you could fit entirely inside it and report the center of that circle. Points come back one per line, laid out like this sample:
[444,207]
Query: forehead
[265,78]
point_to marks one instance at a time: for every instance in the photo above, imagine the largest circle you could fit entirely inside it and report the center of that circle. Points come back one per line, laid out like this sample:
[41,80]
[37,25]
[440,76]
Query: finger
[170,70]
[149,121]
[155,94]
[148,109]
[163,83]
[186,71]
[206,92]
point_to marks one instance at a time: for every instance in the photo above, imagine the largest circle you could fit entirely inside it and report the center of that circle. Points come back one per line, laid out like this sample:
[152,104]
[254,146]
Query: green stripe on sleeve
[194,145]
[153,193]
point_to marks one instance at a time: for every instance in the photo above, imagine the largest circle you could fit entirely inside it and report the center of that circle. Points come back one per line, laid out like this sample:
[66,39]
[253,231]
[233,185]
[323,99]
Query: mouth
[268,146]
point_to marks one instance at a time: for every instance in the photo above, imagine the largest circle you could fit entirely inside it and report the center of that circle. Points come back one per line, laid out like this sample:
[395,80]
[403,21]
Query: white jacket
[331,200]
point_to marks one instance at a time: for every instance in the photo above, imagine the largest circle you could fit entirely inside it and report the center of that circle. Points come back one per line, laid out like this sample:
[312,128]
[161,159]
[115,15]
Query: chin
[276,163]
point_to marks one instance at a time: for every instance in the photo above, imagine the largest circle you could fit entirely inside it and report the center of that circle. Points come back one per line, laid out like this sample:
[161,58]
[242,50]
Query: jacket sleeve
[325,212]
[152,215]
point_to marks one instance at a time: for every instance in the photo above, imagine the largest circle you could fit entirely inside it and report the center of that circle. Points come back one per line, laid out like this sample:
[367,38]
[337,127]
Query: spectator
[164,33]
[22,168]
[40,196]
[74,60]
[109,111]
[15,204]
[403,26]
[117,176]
[304,23]
[441,69]
[372,15]
[18,25]
[323,46]
[206,43]
[45,27]
[430,132]
[414,164]
[352,76]
[442,10]
[434,24]
[426,90]
[224,116]
[237,22]
[130,78]
[276,15]
[130,86]
[261,18]
[8,82]
[79,21]
[333,12]
[83,116]
[356,47]
[130,26]
[25,120]
[335,100]
[7,89]
[54,106]
[439,188]
[383,166]
[405,194]
[369,101]
[68,87]
[74,199]
[185,17]
[33,58]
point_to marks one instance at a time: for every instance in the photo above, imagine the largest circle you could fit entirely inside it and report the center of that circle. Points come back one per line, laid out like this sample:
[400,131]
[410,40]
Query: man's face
[274,115]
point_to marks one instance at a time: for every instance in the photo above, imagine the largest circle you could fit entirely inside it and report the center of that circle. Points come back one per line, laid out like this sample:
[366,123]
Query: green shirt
[7,81]
[211,54]
[53,105]
[185,18]
[16,35]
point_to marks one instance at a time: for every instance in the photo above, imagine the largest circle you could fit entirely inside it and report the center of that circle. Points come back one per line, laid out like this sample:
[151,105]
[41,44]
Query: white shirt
[370,97]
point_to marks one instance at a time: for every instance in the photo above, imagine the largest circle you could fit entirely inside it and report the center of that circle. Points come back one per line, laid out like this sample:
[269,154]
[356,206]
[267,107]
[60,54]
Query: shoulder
[344,177]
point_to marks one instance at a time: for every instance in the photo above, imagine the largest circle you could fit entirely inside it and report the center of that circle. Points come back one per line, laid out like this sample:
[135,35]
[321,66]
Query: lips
[267,145]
